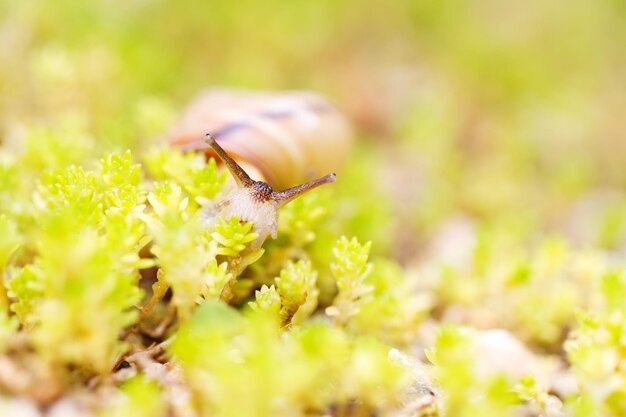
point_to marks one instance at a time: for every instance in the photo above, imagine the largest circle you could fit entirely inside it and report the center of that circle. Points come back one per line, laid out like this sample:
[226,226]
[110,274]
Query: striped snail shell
[287,138]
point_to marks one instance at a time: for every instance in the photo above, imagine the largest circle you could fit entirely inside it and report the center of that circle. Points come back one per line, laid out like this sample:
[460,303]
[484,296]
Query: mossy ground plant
[468,262]
[121,262]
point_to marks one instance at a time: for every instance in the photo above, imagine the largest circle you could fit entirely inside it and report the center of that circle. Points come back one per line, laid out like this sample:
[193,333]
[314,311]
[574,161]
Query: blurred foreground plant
[596,351]
[227,356]
[89,298]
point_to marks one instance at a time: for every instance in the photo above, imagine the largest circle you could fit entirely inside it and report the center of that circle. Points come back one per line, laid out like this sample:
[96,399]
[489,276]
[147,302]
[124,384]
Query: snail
[281,139]
[284,138]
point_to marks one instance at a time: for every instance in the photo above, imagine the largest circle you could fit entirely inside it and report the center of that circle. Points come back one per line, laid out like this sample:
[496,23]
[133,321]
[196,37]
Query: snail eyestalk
[285,196]
[255,201]
[237,172]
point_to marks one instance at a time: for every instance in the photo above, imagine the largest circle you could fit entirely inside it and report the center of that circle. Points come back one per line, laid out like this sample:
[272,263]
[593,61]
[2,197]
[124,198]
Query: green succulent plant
[486,191]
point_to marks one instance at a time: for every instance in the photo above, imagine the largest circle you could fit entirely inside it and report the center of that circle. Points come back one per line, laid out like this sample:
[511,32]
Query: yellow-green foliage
[266,300]
[137,397]
[75,289]
[26,287]
[534,294]
[232,236]
[84,274]
[186,250]
[350,268]
[301,218]
[11,239]
[488,168]
[180,247]
[469,391]
[201,180]
[394,310]
[304,370]
[596,350]
[294,285]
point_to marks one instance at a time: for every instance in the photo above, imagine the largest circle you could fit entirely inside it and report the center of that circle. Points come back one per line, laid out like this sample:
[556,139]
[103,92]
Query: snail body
[282,139]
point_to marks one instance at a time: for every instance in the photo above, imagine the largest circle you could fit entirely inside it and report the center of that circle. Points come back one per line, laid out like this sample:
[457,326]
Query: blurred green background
[504,116]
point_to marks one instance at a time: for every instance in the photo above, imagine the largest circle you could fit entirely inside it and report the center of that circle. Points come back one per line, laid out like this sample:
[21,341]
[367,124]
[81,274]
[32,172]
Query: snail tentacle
[285,196]
[241,177]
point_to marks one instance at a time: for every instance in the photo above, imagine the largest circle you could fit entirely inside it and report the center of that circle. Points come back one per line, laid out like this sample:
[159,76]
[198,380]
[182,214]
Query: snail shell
[288,138]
